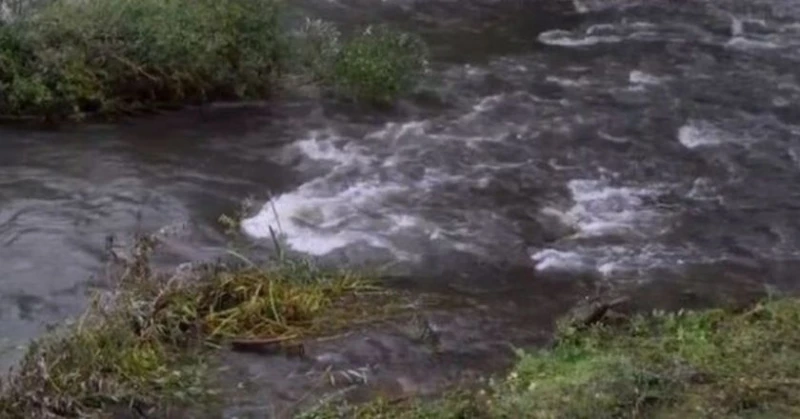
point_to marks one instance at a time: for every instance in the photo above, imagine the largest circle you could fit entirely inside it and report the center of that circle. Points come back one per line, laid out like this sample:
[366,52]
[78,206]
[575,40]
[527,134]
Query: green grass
[70,59]
[378,65]
[150,346]
[375,66]
[708,364]
[110,56]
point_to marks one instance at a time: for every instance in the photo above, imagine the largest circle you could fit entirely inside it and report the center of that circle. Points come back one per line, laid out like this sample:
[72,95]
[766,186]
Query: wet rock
[380,360]
[593,311]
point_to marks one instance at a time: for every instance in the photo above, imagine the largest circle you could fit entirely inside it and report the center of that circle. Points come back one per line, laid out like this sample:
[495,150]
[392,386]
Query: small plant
[379,65]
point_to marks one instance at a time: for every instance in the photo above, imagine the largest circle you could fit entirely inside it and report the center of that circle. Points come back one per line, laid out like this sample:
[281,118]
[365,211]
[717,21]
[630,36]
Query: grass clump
[379,65]
[100,366]
[375,66]
[148,348]
[252,303]
[69,58]
[708,364]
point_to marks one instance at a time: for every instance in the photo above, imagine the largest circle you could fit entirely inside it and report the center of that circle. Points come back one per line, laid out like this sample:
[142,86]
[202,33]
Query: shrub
[318,45]
[111,56]
[378,65]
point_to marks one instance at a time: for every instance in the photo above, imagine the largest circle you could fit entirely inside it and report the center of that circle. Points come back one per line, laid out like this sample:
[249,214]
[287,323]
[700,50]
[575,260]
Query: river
[645,143]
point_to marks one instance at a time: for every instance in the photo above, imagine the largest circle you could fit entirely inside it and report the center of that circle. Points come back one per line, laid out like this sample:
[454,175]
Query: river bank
[705,364]
[149,343]
[164,343]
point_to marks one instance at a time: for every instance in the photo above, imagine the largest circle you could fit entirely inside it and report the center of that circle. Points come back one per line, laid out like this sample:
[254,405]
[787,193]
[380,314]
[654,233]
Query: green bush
[112,56]
[378,65]
[70,58]
[318,43]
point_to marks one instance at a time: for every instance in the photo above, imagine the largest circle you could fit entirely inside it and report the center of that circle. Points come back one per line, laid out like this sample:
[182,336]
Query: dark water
[656,144]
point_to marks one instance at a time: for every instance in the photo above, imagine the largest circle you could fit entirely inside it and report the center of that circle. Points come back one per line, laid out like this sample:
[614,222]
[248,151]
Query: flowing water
[629,143]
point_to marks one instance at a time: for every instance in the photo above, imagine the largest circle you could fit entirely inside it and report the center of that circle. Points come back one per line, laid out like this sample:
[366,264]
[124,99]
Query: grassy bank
[69,59]
[709,364]
[149,347]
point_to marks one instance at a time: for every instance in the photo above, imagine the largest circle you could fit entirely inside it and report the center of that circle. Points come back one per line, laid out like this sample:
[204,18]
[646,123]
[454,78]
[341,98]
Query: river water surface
[644,143]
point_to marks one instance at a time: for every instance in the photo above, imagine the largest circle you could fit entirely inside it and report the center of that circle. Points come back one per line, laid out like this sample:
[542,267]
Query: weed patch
[707,364]
[149,346]
[378,65]
[69,58]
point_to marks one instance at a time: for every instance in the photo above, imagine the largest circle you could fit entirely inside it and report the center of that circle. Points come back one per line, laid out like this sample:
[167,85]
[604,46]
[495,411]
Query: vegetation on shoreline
[378,65]
[69,59]
[149,347]
[115,56]
[375,66]
[707,364]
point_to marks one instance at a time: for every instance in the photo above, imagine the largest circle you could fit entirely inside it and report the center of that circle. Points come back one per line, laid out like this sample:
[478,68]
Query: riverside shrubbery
[374,66]
[112,56]
[72,58]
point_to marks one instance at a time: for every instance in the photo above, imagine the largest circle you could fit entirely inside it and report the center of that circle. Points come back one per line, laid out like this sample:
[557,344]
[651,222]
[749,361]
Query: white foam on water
[601,209]
[704,189]
[324,214]
[737,26]
[562,38]
[487,103]
[613,138]
[615,261]
[403,221]
[643,25]
[396,132]
[484,105]
[781,102]
[794,154]
[320,147]
[792,27]
[743,43]
[599,28]
[317,223]
[565,82]
[580,7]
[604,210]
[640,77]
[559,260]
[608,269]
[696,134]
[740,40]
